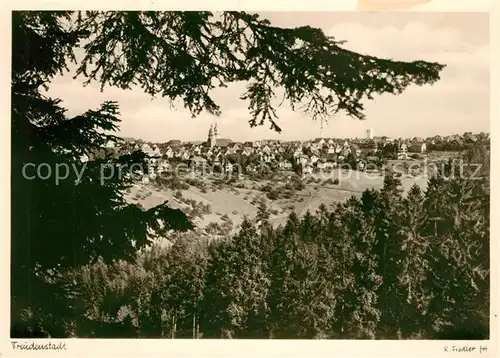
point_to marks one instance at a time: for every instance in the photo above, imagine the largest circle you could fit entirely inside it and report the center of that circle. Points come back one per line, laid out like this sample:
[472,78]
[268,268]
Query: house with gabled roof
[247,151]
[179,151]
[267,158]
[217,156]
[155,150]
[196,149]
[341,143]
[235,146]
[168,153]
[146,149]
[320,142]
[355,149]
[266,149]
[197,162]
[473,138]
[251,168]
[209,153]
[314,158]
[437,139]
[330,149]
[186,155]
[285,164]
[307,169]
[403,151]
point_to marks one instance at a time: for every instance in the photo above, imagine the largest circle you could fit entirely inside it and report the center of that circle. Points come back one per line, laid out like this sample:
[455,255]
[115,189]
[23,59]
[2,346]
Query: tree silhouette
[187,54]
[71,220]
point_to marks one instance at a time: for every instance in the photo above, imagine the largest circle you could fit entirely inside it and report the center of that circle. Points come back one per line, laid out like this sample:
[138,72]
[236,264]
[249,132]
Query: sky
[458,103]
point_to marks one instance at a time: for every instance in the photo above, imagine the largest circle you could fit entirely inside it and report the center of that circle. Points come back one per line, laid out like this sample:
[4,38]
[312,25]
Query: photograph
[282,175]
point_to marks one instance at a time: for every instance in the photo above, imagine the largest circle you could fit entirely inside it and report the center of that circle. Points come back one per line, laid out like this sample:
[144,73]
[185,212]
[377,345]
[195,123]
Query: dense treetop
[185,55]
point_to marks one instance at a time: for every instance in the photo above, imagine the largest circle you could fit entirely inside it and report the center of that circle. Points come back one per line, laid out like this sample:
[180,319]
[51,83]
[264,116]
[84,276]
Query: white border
[240,348]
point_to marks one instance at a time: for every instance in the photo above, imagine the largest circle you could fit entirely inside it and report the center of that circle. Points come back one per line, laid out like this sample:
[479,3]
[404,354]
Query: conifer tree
[387,221]
[412,293]
[308,228]
[359,302]
[281,262]
[253,283]
[182,292]
[458,276]
[262,216]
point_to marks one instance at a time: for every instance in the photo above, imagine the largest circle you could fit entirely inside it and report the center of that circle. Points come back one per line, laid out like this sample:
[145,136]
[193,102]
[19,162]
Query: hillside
[226,206]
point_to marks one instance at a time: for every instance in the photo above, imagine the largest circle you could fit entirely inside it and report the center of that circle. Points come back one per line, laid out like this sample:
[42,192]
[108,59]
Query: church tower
[216,132]
[211,137]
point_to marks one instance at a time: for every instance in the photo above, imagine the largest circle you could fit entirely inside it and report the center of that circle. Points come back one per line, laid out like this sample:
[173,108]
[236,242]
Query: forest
[380,267]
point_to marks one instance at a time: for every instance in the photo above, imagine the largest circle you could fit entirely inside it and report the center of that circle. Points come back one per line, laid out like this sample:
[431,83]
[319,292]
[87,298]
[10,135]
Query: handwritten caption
[33,346]
[465,349]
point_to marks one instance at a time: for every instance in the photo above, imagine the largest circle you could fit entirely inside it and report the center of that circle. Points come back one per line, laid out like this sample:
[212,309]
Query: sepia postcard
[250,179]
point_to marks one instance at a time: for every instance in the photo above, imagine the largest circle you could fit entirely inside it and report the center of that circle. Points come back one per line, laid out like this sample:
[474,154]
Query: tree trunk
[194,325]
[174,325]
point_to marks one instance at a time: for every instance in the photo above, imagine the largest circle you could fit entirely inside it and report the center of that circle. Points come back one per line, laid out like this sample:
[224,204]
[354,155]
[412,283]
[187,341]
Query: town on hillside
[309,156]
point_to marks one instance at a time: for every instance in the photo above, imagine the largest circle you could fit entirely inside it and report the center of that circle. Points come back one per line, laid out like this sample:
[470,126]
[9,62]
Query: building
[417,148]
[214,139]
[146,149]
[319,142]
[403,151]
[307,169]
[211,137]
[369,134]
[174,143]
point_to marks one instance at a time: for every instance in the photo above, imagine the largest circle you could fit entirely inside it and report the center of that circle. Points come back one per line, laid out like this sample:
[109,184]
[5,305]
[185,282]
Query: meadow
[233,202]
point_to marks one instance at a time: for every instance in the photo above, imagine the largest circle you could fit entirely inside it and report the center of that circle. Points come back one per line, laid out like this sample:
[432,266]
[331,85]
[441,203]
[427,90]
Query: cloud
[414,41]
[447,5]
[464,84]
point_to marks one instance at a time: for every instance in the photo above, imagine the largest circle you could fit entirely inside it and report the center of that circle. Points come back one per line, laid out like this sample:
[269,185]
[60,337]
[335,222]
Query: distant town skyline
[458,103]
[375,137]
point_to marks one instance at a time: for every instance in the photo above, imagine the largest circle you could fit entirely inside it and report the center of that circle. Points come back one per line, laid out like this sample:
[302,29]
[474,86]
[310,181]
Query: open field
[442,155]
[232,203]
